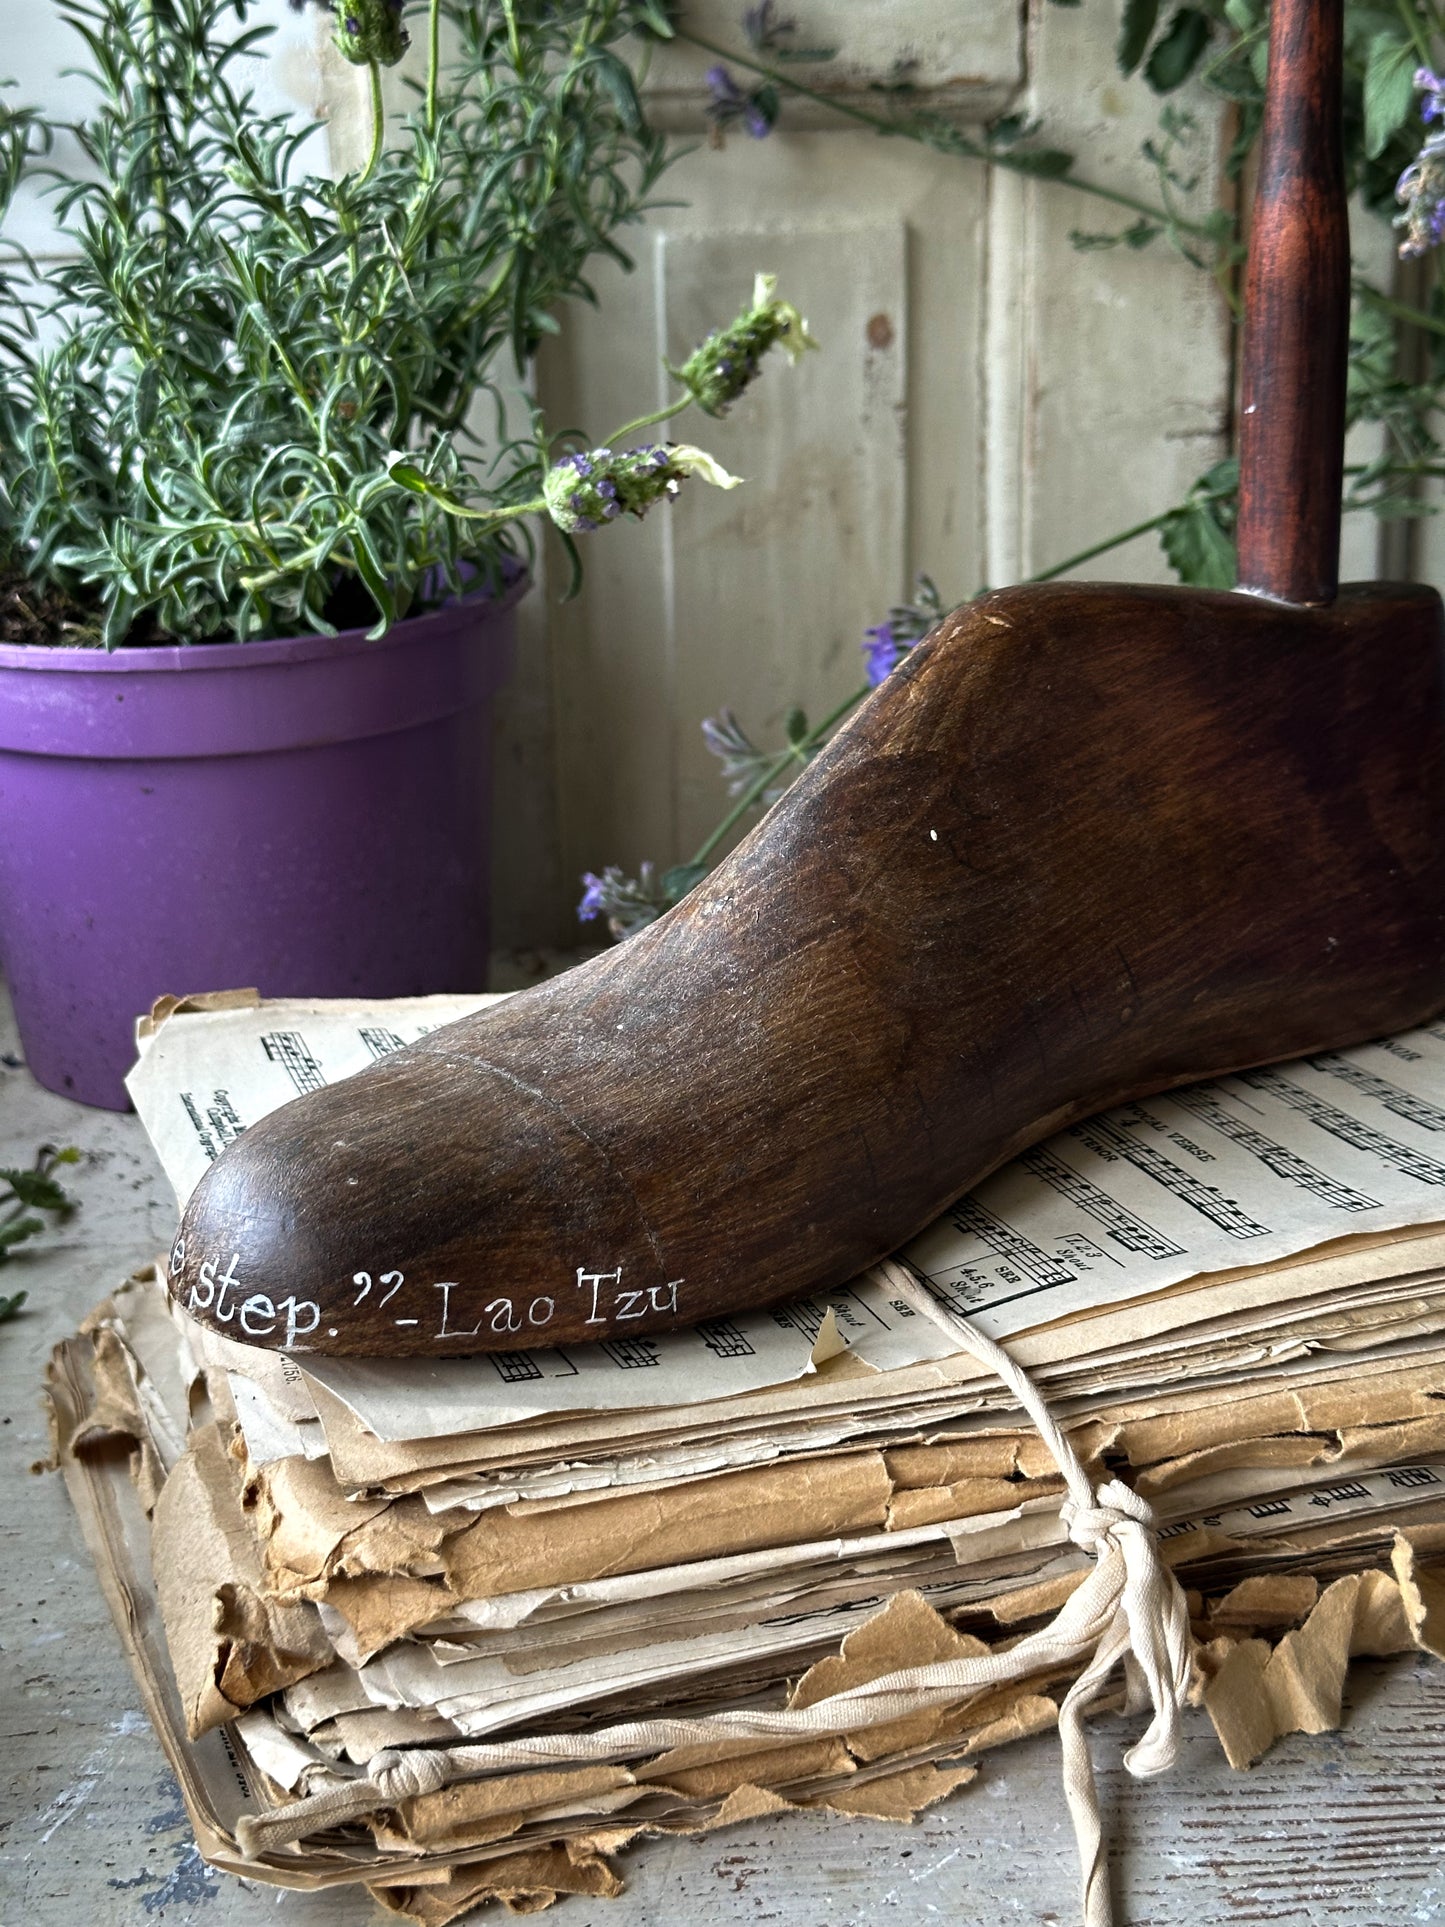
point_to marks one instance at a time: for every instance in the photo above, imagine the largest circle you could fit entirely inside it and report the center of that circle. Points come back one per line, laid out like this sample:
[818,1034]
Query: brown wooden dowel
[1296,328]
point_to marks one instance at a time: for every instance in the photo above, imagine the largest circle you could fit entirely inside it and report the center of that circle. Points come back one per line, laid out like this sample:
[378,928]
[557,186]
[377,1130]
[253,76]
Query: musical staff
[1349,1130]
[724,1340]
[514,1368]
[1119,1223]
[1011,1245]
[1111,1142]
[1206,1105]
[1389,1096]
[631,1353]
[380,1042]
[288,1049]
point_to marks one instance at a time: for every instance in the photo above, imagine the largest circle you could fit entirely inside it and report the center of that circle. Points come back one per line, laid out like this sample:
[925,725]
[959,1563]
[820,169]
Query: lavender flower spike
[1421,188]
[1421,194]
[729,104]
[723,88]
[882,652]
[906,623]
[368,30]
[717,373]
[584,491]
[628,903]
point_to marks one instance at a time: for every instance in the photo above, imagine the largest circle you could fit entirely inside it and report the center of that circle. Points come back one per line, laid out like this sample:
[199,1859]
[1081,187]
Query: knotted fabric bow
[1129,1609]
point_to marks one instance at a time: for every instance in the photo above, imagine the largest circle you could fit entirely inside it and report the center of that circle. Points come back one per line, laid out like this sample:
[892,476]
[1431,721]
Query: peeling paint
[189,1882]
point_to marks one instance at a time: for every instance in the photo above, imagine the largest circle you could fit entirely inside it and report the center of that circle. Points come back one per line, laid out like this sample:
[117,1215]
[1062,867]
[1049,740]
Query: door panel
[987,400]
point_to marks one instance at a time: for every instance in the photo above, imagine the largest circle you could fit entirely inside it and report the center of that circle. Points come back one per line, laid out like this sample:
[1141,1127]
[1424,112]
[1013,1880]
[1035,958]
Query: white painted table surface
[1348,1828]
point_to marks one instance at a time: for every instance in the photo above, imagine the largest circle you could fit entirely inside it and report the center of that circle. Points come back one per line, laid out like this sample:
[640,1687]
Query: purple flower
[723,88]
[629,903]
[1431,86]
[729,104]
[763,28]
[881,652]
[1421,194]
[625,483]
[904,626]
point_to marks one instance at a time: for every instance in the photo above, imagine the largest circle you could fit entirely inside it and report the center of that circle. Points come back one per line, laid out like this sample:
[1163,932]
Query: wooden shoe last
[1086,843]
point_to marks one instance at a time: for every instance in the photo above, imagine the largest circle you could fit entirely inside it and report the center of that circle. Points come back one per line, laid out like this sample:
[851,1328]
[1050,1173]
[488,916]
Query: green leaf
[1049,163]
[1179,52]
[373,572]
[1139,235]
[795,727]
[1402,508]
[1198,549]
[1389,90]
[16,1232]
[34,1189]
[616,77]
[574,567]
[407,475]
[1140,19]
[1221,480]
[330,250]
[9,1306]
[682,878]
[652,18]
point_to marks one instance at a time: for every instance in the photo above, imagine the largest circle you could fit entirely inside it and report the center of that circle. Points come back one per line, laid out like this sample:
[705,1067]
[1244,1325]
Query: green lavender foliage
[200,423]
[1224,44]
[23,1193]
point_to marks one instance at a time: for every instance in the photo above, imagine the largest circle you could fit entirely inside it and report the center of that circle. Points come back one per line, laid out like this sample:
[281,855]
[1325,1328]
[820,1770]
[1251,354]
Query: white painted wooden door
[988,400]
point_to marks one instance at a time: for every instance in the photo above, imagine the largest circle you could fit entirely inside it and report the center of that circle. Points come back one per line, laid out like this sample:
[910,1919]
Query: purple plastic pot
[309,816]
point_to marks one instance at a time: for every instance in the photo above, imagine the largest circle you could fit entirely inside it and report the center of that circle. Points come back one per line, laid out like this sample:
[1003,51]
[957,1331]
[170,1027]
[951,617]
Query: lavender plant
[246,407]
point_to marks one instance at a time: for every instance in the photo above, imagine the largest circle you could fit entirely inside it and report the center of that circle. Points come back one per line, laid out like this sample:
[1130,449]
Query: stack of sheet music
[1232,1295]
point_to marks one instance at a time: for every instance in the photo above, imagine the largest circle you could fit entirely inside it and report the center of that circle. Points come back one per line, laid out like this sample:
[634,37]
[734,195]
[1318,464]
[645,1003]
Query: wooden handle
[1296,323]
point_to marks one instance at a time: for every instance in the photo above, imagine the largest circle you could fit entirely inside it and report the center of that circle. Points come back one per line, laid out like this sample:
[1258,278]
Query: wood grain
[1086,843]
[1296,330]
